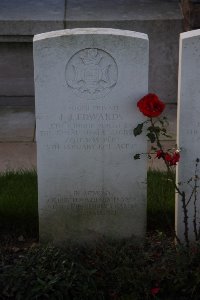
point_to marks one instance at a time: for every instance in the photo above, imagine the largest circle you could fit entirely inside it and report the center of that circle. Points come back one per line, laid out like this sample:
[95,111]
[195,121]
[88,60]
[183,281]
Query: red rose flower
[151,106]
[155,291]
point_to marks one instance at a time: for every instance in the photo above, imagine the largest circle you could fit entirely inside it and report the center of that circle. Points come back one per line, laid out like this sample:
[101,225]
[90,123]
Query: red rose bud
[151,106]
[168,157]
[177,155]
[159,154]
[172,159]
[175,158]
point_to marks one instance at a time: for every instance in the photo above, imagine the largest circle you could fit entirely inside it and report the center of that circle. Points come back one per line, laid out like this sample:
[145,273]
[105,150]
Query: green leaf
[138,130]
[166,135]
[164,130]
[93,271]
[161,122]
[137,156]
[153,148]
[165,120]
[150,128]
[156,129]
[151,137]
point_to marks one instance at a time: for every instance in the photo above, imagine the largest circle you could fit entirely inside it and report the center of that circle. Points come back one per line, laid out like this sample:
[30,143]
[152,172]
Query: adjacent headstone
[87,83]
[188,121]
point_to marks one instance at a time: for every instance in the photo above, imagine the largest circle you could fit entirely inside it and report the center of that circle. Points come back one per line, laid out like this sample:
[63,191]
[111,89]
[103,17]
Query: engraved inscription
[89,128]
[90,202]
[194,131]
[91,73]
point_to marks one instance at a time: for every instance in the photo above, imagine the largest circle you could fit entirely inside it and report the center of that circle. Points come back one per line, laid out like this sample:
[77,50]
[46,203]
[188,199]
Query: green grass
[161,201]
[18,202]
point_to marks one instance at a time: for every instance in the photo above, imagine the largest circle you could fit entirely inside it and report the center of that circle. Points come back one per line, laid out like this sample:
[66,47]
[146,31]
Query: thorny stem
[185,211]
[171,227]
[170,172]
[160,146]
[190,198]
[199,231]
[195,202]
[182,194]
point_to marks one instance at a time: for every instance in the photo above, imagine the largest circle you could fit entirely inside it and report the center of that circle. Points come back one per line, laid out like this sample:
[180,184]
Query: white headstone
[87,83]
[188,124]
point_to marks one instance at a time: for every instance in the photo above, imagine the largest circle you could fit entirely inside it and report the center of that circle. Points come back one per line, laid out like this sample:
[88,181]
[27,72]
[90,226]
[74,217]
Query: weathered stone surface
[87,84]
[118,10]
[188,135]
[16,69]
[17,156]
[19,101]
[28,17]
[17,124]
[161,20]
[170,113]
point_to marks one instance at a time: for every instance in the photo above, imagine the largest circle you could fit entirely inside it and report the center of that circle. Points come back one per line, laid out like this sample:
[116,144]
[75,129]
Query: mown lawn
[19,209]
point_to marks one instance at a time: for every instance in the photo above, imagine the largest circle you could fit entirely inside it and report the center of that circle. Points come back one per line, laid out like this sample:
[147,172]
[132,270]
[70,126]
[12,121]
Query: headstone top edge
[85,31]
[189,34]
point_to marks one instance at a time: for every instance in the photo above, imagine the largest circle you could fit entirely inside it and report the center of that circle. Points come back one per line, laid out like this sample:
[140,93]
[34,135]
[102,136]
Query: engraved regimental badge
[91,73]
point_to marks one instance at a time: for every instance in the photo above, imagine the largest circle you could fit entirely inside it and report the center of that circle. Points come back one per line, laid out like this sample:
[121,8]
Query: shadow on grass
[19,204]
